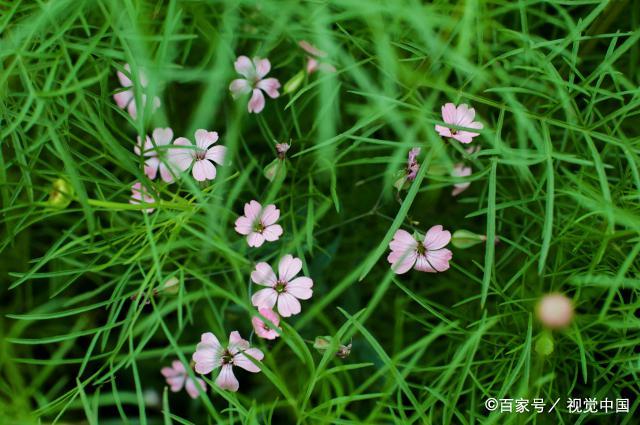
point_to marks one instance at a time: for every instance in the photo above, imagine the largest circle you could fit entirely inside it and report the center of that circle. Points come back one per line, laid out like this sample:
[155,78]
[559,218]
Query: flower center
[421,249]
[200,154]
[280,287]
[258,227]
[227,357]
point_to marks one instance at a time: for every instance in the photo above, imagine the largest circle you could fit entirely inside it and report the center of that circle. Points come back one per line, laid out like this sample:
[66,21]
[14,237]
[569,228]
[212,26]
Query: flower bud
[544,344]
[171,286]
[463,239]
[61,194]
[293,84]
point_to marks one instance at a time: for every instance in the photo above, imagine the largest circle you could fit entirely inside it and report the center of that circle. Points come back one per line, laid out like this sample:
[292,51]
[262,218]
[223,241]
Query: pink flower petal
[464,115]
[124,78]
[312,65]
[263,275]
[244,67]
[403,241]
[203,170]
[132,109]
[256,103]
[436,238]
[289,267]
[272,233]
[265,298]
[226,379]
[205,138]
[162,136]
[263,66]
[123,98]
[252,210]
[443,131]
[237,343]
[182,153]
[423,265]
[269,215]
[151,167]
[239,87]
[439,259]
[207,356]
[255,239]
[288,305]
[270,86]
[449,113]
[165,173]
[300,288]
[192,389]
[241,359]
[216,154]
[402,262]
[243,225]
[263,328]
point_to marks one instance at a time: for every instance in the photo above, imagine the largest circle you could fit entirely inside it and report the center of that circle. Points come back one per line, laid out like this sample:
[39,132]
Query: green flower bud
[464,239]
[294,83]
[544,344]
[61,194]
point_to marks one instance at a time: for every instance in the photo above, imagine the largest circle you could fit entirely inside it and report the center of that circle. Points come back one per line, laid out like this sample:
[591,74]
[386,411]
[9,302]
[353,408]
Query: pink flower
[177,377]
[313,62]
[254,82]
[140,195]
[459,170]
[282,290]
[201,156]
[281,149]
[263,329]
[211,355]
[259,224]
[462,116]
[430,255]
[156,156]
[126,98]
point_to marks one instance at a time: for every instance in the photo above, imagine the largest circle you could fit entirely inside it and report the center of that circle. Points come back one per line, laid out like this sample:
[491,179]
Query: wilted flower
[211,355]
[282,290]
[430,255]
[461,116]
[177,377]
[140,195]
[555,311]
[202,155]
[322,344]
[254,82]
[126,98]
[411,171]
[259,224]
[264,329]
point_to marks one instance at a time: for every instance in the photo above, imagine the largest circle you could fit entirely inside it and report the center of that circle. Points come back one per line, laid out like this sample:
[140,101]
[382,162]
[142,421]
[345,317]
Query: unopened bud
[61,194]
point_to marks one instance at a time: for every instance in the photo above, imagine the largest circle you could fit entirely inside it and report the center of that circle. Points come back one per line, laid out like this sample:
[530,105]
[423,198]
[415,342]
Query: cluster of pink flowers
[428,253]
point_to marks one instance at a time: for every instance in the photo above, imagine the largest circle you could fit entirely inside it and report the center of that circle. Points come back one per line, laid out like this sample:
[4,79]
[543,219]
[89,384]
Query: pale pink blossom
[126,98]
[314,60]
[201,156]
[461,116]
[259,224]
[264,329]
[177,377]
[210,355]
[281,149]
[254,82]
[140,195]
[283,290]
[155,150]
[555,311]
[459,170]
[428,255]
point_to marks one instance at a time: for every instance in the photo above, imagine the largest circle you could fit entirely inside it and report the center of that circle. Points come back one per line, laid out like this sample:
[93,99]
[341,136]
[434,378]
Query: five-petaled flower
[264,329]
[177,377]
[258,223]
[155,149]
[459,170]
[211,355]
[140,195]
[428,255]
[283,290]
[254,82]
[126,98]
[461,116]
[202,156]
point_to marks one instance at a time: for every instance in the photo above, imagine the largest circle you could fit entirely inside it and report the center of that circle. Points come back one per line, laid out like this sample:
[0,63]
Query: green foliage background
[555,84]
